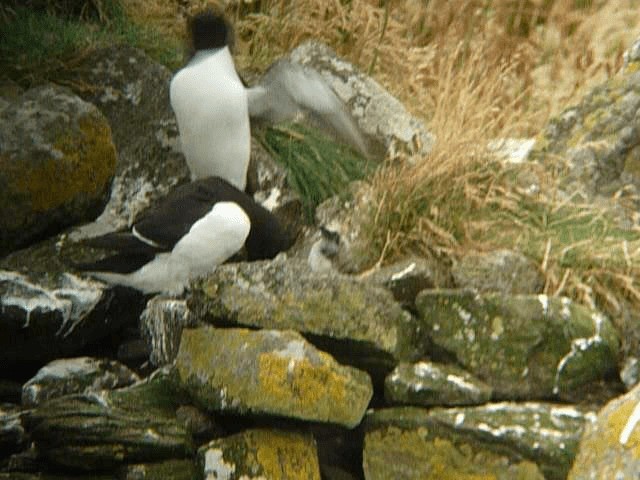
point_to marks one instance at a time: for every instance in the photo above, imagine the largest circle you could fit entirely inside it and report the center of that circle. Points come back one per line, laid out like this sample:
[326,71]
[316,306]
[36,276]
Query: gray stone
[608,448]
[260,454]
[12,433]
[502,271]
[133,93]
[75,375]
[349,318]
[57,160]
[379,114]
[49,313]
[161,325]
[503,440]
[167,470]
[432,384]
[405,279]
[524,346]
[269,372]
[102,431]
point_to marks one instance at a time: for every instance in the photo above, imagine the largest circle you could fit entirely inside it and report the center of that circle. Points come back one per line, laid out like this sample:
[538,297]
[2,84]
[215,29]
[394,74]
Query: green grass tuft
[317,167]
[39,46]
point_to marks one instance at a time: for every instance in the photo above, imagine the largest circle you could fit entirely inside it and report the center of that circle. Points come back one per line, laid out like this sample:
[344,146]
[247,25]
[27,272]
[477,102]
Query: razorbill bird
[324,251]
[196,227]
[213,106]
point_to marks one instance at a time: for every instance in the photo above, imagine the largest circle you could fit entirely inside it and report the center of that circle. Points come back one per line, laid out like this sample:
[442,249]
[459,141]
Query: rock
[161,325]
[49,313]
[502,271]
[350,319]
[502,441]
[102,431]
[167,470]
[379,115]
[57,160]
[608,448]
[75,375]
[261,454]
[269,372]
[133,93]
[524,346]
[405,279]
[598,138]
[12,434]
[267,181]
[428,383]
[632,57]
[630,372]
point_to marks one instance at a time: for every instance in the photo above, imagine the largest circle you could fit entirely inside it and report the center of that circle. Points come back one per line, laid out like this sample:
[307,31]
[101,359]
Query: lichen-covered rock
[524,346]
[57,160]
[161,325]
[356,322]
[609,445]
[132,91]
[102,431]
[503,441]
[379,114]
[405,279]
[502,271]
[75,375]
[167,470]
[260,454]
[427,384]
[599,137]
[269,372]
[48,313]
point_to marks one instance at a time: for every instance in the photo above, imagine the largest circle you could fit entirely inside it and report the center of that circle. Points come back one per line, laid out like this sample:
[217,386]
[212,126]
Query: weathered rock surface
[609,445]
[261,454]
[599,137]
[348,318]
[167,470]
[12,433]
[405,279]
[505,440]
[379,114]
[502,271]
[57,160]
[524,346]
[269,372]
[161,325]
[102,431]
[49,313]
[75,375]
[132,91]
[427,384]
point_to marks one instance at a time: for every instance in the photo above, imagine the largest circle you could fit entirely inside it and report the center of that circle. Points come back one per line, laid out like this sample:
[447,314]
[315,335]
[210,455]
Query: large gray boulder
[524,346]
[57,160]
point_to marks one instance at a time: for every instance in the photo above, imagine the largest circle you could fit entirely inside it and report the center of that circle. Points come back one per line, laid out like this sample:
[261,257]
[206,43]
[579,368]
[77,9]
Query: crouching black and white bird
[212,105]
[195,228]
[324,251]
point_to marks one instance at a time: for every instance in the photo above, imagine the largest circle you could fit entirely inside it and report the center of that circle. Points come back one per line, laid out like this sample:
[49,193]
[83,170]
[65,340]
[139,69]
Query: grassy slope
[473,69]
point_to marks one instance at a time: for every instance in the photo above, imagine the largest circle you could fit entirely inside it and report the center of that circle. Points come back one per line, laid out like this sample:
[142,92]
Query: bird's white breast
[211,108]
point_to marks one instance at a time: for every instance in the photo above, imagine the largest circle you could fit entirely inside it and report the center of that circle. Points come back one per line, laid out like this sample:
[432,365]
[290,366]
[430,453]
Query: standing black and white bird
[192,230]
[324,251]
[212,105]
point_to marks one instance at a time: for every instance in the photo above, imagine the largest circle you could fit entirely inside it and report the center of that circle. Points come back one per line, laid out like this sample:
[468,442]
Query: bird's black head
[210,30]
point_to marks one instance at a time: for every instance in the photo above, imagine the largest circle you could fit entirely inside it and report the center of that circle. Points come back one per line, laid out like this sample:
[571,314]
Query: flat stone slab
[269,372]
